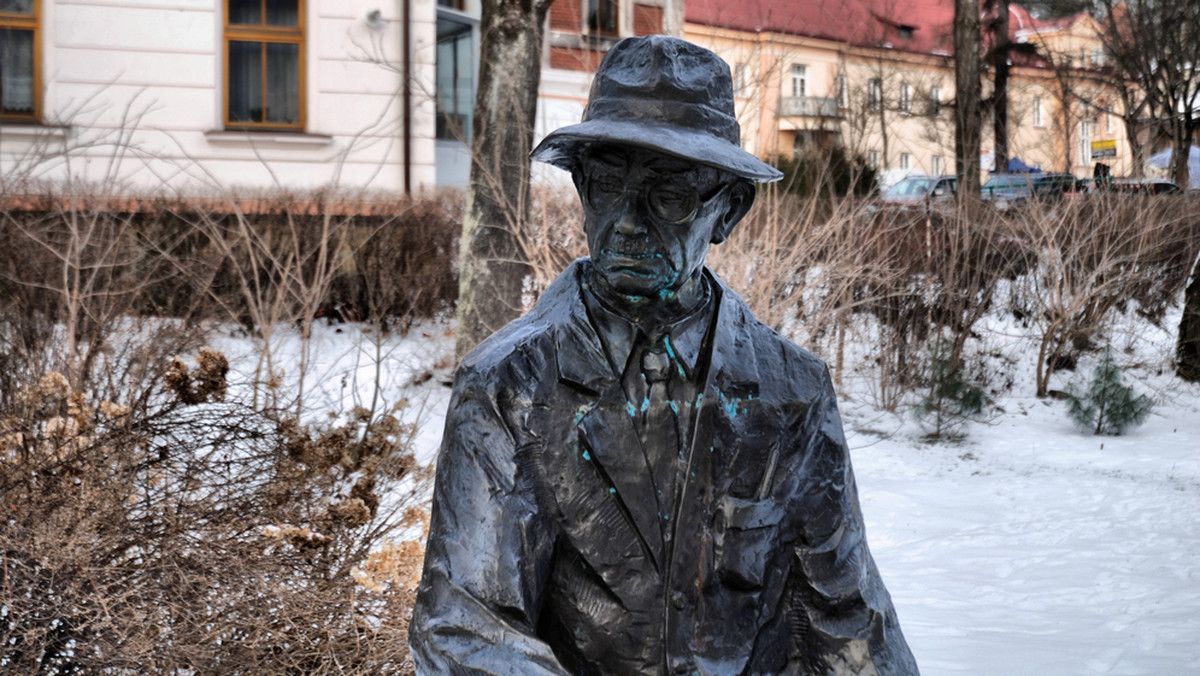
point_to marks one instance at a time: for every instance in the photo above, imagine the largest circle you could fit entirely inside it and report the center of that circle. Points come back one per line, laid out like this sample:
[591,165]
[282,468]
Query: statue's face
[649,217]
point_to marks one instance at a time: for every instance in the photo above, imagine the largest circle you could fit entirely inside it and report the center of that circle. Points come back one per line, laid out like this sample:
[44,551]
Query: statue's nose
[630,221]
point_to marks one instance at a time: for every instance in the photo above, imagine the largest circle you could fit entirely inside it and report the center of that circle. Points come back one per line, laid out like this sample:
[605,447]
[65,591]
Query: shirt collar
[683,338]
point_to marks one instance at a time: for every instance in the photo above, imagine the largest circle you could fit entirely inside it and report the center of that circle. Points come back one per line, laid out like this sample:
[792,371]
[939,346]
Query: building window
[1108,118]
[1097,58]
[799,80]
[905,98]
[264,64]
[935,101]
[935,165]
[455,78]
[843,92]
[874,93]
[1037,111]
[905,161]
[873,159]
[602,16]
[741,80]
[20,52]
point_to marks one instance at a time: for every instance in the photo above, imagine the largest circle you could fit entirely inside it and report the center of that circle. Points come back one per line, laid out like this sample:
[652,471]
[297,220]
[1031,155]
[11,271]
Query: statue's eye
[673,204]
[603,192]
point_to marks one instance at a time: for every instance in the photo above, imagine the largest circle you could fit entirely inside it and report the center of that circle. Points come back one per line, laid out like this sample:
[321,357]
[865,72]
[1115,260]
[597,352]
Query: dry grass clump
[188,533]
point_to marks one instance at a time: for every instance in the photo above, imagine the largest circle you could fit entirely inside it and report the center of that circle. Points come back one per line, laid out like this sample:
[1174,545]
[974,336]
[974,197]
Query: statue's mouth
[636,255]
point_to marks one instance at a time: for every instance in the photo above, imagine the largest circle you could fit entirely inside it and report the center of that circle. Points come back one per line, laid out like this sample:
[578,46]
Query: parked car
[1146,186]
[918,192]
[1004,191]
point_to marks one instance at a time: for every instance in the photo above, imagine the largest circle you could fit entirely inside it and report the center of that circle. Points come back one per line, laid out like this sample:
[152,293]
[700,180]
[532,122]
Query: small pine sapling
[1107,406]
[951,399]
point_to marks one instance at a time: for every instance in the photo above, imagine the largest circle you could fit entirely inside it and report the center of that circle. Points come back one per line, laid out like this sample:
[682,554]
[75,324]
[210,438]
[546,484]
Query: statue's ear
[741,198]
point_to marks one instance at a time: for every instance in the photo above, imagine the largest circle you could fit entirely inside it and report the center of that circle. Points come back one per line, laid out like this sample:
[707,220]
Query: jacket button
[678,600]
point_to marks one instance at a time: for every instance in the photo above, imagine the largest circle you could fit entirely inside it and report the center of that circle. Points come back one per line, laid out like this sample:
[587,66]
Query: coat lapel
[732,380]
[606,430]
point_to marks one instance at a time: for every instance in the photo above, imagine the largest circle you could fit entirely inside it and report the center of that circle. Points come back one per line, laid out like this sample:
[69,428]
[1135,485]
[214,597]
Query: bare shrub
[155,522]
[73,275]
[407,265]
[1098,255]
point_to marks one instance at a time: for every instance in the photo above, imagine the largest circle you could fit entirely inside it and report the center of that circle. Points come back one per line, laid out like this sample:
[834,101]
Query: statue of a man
[639,477]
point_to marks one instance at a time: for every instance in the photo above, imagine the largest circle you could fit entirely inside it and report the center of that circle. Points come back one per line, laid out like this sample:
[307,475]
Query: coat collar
[582,358]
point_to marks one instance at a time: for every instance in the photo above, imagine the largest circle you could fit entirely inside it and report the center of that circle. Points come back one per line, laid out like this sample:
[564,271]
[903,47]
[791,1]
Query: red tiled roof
[864,23]
[856,22]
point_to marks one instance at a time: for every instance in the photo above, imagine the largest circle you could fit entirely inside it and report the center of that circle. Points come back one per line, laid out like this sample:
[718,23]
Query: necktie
[660,433]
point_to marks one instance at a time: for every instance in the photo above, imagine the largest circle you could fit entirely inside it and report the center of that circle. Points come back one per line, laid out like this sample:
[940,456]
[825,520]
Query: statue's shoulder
[534,332]
[791,364]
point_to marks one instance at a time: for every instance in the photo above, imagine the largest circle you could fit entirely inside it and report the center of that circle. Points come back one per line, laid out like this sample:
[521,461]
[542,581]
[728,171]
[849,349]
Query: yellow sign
[1102,149]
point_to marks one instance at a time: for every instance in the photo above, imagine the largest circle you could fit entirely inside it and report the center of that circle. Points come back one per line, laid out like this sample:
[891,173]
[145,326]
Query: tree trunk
[492,267]
[1000,92]
[1187,354]
[1181,133]
[967,97]
[1136,149]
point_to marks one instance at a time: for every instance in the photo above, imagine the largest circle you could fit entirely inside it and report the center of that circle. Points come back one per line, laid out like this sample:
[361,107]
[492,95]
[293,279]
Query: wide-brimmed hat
[664,94]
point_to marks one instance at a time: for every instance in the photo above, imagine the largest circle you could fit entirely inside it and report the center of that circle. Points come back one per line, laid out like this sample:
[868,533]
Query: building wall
[134,90]
[573,53]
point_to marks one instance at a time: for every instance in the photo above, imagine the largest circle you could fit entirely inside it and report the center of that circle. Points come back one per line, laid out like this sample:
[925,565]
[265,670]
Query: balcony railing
[808,106]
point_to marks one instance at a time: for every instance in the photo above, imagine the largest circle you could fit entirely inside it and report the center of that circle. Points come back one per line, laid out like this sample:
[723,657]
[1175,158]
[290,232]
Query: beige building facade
[880,83]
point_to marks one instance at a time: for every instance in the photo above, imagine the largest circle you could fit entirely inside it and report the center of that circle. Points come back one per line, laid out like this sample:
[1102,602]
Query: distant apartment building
[189,96]
[877,78]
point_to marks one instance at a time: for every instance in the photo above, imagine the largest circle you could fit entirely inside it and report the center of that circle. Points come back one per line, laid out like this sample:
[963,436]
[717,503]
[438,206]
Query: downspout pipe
[406,89]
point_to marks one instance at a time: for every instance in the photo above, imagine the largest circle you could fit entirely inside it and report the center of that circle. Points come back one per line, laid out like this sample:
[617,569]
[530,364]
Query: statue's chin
[636,289]
[636,278]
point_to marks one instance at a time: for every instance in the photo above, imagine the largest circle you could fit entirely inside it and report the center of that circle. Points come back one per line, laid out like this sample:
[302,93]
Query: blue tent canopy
[1016,166]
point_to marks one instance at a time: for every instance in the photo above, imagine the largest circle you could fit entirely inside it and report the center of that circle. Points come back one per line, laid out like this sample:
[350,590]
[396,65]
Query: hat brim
[561,147]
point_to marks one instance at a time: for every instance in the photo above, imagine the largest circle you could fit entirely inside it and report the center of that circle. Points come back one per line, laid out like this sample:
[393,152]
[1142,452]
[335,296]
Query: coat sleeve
[487,554]
[850,625]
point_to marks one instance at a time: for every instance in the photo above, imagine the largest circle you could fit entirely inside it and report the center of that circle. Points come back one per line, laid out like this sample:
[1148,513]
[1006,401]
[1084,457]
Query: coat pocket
[745,539]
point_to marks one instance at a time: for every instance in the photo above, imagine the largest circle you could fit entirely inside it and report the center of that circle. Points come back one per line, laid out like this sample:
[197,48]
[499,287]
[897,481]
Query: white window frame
[27,22]
[799,80]
[935,101]
[874,93]
[843,92]
[873,159]
[1037,111]
[935,165]
[741,80]
[905,98]
[905,161]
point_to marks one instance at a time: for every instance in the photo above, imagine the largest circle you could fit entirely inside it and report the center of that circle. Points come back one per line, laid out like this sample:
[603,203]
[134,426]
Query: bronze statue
[638,477]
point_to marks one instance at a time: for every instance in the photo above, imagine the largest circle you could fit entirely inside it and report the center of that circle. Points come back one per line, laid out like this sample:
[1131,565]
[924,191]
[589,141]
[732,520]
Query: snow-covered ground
[1033,548]
[1028,547]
